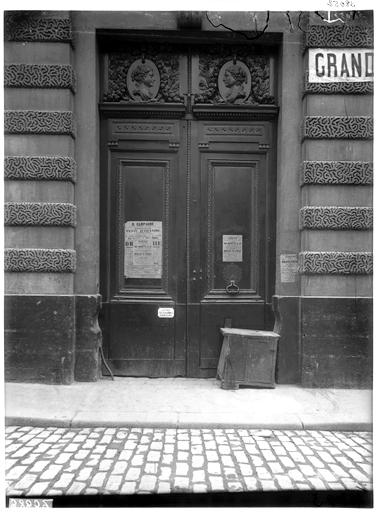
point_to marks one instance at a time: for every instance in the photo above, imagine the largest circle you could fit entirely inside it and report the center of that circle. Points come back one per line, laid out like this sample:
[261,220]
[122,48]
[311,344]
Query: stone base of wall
[51,339]
[288,362]
[336,342]
[88,338]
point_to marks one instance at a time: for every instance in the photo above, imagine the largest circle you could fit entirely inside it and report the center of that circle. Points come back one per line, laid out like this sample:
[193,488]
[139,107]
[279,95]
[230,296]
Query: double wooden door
[187,213]
[188,216]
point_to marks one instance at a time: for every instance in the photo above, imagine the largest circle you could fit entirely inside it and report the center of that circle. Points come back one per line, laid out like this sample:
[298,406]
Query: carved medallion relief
[225,75]
[234,82]
[143,74]
[233,75]
[143,80]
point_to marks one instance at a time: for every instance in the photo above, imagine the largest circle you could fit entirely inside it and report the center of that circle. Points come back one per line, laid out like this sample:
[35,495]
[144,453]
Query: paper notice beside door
[143,249]
[288,268]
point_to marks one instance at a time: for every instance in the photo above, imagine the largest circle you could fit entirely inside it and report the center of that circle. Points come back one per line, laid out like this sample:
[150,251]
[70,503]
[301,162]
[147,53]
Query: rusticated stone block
[37,122]
[333,172]
[39,214]
[39,338]
[337,217]
[39,260]
[47,76]
[336,342]
[332,262]
[54,168]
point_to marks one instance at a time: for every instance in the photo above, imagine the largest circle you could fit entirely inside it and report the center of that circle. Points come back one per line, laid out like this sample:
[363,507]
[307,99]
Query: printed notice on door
[232,247]
[143,249]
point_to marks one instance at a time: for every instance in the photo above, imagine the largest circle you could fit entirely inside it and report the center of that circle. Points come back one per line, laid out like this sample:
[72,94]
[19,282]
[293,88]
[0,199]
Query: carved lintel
[235,113]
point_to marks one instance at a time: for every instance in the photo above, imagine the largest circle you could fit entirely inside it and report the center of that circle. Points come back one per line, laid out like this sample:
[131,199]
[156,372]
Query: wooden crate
[247,357]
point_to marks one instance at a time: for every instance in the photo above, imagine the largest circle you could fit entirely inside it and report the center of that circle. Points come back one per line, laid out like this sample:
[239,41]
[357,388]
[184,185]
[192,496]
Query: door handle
[232,288]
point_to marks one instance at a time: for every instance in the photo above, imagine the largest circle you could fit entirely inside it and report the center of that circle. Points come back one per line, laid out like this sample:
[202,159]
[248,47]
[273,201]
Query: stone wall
[336,219]
[42,310]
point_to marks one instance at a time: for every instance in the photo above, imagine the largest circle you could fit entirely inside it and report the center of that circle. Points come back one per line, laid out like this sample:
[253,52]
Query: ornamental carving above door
[143,74]
[162,73]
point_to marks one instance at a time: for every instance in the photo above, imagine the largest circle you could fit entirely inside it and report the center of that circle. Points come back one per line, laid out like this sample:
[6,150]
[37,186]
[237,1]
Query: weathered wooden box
[247,357]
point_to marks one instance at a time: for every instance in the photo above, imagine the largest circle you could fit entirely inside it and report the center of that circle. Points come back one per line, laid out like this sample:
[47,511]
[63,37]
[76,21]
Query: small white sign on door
[165,312]
[232,248]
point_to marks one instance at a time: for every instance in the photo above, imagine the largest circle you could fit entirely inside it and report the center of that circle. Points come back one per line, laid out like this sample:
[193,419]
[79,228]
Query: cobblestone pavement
[55,461]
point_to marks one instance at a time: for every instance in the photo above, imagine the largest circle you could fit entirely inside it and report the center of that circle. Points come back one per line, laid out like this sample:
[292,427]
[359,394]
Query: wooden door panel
[145,244]
[143,344]
[232,187]
[233,224]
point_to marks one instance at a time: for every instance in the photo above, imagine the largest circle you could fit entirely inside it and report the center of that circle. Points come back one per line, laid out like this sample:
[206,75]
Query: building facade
[167,171]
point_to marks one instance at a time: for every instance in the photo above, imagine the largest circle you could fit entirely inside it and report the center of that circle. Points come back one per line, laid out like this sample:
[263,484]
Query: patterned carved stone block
[30,26]
[39,122]
[339,88]
[39,214]
[336,217]
[40,260]
[333,172]
[48,76]
[338,127]
[339,36]
[53,168]
[340,263]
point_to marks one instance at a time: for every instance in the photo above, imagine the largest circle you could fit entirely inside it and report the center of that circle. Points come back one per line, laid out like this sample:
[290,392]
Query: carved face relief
[234,82]
[143,80]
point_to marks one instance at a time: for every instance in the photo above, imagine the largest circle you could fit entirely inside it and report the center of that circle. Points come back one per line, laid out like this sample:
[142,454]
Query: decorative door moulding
[219,75]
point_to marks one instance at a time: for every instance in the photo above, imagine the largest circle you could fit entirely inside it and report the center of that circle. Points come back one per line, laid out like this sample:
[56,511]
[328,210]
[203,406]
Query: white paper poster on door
[143,249]
[232,248]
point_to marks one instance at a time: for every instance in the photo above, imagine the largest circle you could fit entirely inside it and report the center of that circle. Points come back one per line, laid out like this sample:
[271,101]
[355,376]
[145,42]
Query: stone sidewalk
[129,461]
[186,403]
